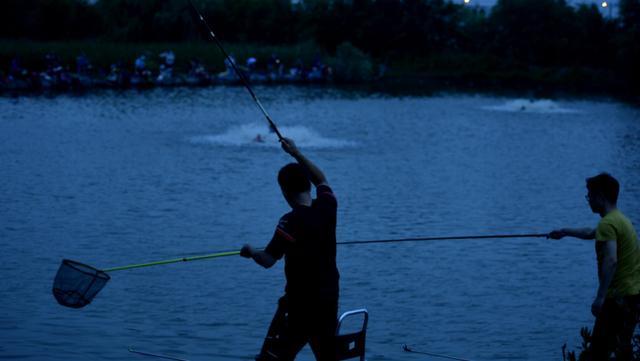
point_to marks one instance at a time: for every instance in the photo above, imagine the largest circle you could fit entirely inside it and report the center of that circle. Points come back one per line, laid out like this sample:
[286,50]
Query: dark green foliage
[630,14]
[49,19]
[583,354]
[351,65]
[532,31]
[628,44]
[516,36]
[584,348]
[271,22]
[145,20]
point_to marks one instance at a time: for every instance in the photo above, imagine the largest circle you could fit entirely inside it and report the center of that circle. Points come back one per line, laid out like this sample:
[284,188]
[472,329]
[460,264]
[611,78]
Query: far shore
[56,67]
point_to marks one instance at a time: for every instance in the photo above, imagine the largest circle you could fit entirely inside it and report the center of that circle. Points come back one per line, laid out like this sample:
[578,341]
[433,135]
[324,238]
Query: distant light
[467,1]
[604,4]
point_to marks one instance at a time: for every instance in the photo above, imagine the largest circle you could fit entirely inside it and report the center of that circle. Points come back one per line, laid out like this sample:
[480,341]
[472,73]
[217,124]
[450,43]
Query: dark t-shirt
[306,237]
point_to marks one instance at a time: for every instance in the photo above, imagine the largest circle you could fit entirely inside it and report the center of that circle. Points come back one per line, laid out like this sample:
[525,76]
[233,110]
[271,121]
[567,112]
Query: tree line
[419,34]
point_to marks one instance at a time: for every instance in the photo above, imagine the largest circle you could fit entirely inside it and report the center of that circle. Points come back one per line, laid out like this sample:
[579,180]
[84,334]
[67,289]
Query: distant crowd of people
[148,70]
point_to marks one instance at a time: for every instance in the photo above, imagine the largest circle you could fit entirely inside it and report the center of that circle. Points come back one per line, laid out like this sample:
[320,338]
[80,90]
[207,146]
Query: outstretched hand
[289,146]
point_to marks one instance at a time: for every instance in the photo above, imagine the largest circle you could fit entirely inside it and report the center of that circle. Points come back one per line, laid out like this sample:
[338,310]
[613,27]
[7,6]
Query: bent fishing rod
[240,74]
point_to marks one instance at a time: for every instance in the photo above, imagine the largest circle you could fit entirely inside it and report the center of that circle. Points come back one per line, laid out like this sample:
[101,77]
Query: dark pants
[297,322]
[614,328]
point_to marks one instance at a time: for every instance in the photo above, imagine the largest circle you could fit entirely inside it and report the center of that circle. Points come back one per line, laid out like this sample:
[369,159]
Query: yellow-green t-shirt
[616,227]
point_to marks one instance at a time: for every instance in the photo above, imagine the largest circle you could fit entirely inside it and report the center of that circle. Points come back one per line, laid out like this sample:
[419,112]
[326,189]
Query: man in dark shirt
[306,237]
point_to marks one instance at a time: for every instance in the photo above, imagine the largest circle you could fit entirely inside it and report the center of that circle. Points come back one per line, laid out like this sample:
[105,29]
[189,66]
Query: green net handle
[175,260]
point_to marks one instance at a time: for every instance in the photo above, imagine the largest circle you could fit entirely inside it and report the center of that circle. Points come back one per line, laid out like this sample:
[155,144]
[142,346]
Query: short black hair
[606,185]
[293,179]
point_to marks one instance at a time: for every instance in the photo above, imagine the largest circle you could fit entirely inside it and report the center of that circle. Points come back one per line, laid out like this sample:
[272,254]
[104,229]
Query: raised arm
[315,174]
[582,233]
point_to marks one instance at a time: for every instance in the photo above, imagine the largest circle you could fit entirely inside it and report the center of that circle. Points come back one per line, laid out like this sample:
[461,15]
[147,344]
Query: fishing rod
[241,75]
[410,350]
[174,260]
[447,238]
[76,284]
[397,240]
[167,357]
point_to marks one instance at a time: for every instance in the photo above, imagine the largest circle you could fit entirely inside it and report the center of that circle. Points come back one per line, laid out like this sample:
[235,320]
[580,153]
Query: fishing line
[241,75]
[168,357]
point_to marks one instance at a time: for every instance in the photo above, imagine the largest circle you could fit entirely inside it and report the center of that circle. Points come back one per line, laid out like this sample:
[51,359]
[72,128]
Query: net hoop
[76,284]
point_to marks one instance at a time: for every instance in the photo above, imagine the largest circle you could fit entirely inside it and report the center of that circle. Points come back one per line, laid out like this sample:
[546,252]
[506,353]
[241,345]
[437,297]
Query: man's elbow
[266,260]
[268,264]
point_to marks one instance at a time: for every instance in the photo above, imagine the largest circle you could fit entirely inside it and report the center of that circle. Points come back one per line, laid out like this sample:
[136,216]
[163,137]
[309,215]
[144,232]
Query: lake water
[112,178]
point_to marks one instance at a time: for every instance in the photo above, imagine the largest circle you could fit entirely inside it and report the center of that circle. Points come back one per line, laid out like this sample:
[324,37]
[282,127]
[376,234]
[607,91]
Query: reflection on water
[117,178]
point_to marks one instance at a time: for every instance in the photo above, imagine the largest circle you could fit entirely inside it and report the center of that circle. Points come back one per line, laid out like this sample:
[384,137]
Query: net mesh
[76,284]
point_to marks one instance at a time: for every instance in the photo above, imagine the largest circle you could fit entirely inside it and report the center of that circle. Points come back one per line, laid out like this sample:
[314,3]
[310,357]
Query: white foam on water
[258,135]
[530,106]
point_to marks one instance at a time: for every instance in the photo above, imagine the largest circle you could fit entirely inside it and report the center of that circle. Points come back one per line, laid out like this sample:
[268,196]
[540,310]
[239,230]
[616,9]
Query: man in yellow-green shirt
[617,303]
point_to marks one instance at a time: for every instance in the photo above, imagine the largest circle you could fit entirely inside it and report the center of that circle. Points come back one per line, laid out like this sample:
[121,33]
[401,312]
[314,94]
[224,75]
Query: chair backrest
[351,345]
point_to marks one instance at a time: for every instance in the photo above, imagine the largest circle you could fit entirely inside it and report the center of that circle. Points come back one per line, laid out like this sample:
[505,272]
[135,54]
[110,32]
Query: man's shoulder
[324,188]
[325,194]
[604,222]
[606,229]
[614,224]
[287,217]
[615,219]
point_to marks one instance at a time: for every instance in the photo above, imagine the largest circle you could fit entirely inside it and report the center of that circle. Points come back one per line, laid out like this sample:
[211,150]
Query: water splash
[258,135]
[530,106]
